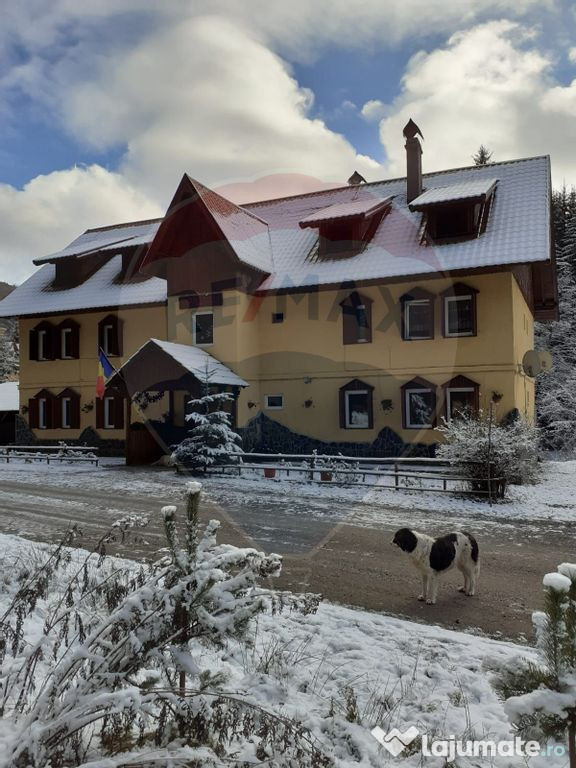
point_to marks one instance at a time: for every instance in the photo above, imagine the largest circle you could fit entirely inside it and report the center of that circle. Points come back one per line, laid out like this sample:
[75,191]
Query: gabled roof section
[363,208]
[198,216]
[473,189]
[106,239]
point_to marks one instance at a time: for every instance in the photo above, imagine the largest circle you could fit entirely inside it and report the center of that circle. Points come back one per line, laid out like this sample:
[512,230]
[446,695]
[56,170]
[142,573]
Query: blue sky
[104,104]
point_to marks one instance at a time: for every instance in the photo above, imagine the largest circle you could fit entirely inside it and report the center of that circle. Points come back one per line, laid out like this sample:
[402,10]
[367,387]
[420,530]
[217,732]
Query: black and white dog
[435,556]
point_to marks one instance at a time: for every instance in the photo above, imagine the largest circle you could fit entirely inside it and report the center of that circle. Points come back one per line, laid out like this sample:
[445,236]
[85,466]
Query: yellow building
[351,319]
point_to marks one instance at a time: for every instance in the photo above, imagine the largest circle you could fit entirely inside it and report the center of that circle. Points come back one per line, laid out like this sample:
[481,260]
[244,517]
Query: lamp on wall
[87,407]
[387,405]
[496,397]
[308,403]
[251,404]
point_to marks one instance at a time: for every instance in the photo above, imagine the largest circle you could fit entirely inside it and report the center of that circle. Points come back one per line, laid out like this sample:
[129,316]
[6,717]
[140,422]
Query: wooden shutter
[75,411]
[33,417]
[116,336]
[118,412]
[74,339]
[33,344]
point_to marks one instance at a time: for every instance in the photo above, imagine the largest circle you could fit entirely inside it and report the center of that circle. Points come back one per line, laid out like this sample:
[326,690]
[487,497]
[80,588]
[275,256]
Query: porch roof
[166,365]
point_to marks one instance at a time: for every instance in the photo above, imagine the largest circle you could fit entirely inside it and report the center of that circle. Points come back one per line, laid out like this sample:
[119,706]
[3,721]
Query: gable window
[356,319]
[460,311]
[274,402]
[461,397]
[110,336]
[67,410]
[203,328]
[42,413]
[417,315]
[356,409]
[41,342]
[69,338]
[419,404]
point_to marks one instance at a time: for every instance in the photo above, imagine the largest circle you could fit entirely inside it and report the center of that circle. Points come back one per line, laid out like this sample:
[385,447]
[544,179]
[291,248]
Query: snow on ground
[554,499]
[344,671]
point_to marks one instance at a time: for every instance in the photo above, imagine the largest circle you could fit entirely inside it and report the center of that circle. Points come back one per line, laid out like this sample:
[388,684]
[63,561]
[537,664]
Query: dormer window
[456,212]
[344,229]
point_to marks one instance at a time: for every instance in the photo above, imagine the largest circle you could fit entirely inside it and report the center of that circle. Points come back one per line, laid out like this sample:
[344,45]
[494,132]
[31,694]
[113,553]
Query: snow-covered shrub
[540,698]
[9,355]
[117,670]
[211,439]
[474,444]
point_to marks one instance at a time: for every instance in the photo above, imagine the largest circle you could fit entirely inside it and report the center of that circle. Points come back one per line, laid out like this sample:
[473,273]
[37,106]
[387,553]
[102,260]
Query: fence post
[396,475]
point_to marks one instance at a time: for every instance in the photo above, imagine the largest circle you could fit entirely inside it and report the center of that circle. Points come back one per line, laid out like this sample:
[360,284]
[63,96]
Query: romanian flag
[105,371]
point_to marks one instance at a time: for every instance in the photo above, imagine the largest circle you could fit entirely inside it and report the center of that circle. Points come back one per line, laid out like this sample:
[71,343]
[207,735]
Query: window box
[269,472]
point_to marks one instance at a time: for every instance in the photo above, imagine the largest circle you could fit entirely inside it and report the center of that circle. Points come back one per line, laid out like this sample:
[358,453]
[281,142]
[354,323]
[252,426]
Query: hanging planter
[269,472]
[326,476]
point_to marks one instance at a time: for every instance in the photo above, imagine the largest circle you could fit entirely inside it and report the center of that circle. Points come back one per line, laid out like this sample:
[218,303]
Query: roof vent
[413,160]
[356,179]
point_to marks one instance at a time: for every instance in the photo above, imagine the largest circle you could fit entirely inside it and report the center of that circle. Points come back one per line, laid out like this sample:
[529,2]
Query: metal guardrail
[50,453]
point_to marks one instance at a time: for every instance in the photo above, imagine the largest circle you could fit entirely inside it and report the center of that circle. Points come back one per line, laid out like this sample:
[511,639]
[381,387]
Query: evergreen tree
[483,156]
[8,351]
[541,697]
[211,439]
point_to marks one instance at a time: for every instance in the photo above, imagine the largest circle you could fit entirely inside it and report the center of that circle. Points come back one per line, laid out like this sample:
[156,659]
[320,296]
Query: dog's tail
[474,548]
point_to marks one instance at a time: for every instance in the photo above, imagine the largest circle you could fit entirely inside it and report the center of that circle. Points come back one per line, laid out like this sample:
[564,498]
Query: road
[348,562]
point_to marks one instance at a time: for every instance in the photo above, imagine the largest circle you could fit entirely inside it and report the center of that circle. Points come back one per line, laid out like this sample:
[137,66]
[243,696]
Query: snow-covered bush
[474,443]
[540,698]
[117,670]
[9,362]
[211,439]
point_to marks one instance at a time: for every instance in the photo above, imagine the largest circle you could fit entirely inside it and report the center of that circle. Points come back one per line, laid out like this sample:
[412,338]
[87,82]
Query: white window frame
[42,335]
[202,314]
[66,403]
[449,398]
[269,407]
[64,334]
[447,300]
[106,405]
[407,305]
[347,414]
[42,413]
[415,391]
[107,331]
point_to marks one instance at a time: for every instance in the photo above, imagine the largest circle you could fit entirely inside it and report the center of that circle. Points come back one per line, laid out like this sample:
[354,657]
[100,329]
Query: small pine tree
[540,698]
[483,156]
[211,439]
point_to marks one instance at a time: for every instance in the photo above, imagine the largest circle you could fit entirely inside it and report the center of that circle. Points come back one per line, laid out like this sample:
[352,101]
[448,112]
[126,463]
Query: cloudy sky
[105,103]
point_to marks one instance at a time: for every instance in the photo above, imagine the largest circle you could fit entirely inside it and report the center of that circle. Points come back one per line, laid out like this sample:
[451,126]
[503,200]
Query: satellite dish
[546,362]
[531,363]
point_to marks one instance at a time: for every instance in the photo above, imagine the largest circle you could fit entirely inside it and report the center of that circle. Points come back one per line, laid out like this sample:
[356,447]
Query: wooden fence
[49,453]
[417,474]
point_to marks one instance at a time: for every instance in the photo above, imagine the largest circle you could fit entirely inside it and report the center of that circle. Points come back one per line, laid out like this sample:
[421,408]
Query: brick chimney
[413,160]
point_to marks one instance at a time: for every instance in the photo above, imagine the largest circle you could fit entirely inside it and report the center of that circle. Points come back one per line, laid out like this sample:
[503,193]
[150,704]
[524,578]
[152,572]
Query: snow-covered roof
[464,190]
[106,239]
[195,360]
[9,396]
[365,206]
[267,235]
[36,297]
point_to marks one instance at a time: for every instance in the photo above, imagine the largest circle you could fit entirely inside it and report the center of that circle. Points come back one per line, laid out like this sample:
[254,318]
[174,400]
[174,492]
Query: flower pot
[269,472]
[326,477]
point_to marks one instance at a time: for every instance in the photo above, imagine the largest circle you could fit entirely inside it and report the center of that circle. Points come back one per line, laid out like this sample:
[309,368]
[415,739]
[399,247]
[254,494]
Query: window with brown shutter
[110,411]
[110,336]
[42,411]
[356,319]
[356,407]
[417,315]
[68,340]
[42,342]
[67,410]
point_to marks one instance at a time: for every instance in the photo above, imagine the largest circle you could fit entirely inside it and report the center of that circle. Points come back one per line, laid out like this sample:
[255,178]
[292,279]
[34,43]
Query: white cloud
[572,55]
[52,210]
[488,85]
[373,110]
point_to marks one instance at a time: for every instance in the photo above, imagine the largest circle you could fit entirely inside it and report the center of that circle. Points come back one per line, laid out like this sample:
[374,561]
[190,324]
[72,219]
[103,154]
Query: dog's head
[405,539]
